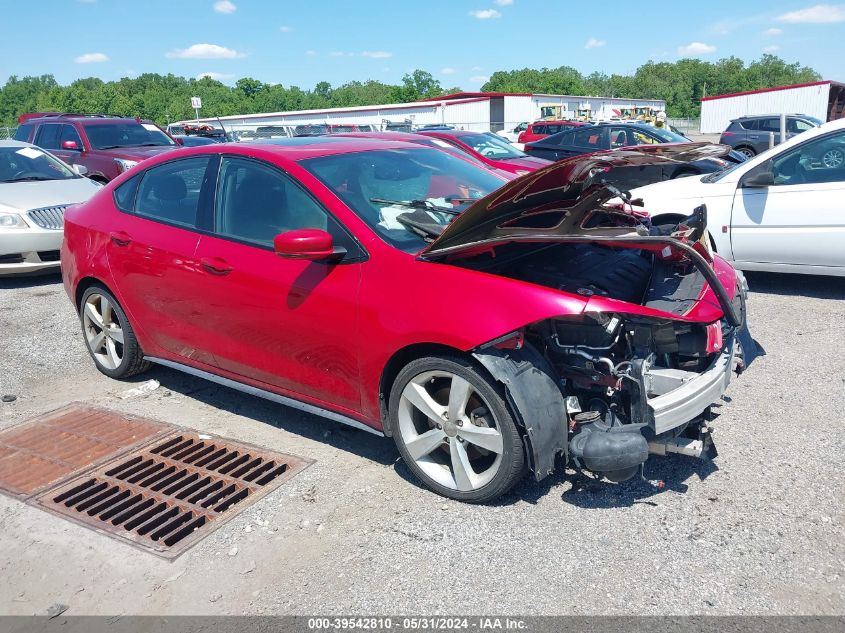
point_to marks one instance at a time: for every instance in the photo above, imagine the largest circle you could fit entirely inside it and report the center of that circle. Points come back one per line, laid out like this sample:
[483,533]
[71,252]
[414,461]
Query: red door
[292,324]
[152,253]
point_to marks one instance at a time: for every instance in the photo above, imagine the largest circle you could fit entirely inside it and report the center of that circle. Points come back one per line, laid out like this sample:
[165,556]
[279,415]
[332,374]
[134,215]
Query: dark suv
[749,135]
[105,145]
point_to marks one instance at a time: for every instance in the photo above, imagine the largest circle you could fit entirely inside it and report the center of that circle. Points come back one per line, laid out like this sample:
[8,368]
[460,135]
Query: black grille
[11,258]
[49,256]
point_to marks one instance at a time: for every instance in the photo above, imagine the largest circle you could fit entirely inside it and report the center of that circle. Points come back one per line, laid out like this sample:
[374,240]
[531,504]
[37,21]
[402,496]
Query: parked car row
[542,269]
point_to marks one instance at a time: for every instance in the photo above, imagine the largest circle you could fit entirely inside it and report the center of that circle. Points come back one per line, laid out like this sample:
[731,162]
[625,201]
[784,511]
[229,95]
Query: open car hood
[563,199]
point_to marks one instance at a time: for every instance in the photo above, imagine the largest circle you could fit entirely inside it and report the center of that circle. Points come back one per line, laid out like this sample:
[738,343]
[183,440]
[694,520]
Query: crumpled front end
[615,387]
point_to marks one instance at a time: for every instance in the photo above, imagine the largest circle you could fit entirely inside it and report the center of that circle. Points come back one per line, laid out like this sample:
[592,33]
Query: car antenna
[225,133]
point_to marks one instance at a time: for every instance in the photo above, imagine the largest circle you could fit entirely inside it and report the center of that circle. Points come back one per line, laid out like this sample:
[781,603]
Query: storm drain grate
[72,439]
[170,494]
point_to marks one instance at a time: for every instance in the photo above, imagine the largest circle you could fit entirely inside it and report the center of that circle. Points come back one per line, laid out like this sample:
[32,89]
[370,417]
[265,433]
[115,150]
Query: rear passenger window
[587,137]
[22,133]
[124,195]
[749,125]
[539,129]
[171,192]
[48,136]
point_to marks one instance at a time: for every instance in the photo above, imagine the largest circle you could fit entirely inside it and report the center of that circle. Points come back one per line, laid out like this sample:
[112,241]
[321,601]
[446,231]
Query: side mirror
[79,170]
[179,141]
[310,244]
[71,145]
[759,177]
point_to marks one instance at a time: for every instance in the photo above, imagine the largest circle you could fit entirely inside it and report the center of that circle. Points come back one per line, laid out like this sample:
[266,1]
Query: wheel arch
[394,365]
[83,285]
[677,217]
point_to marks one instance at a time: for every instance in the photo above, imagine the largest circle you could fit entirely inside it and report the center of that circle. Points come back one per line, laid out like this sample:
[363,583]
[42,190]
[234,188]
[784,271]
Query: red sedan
[487,326]
[491,149]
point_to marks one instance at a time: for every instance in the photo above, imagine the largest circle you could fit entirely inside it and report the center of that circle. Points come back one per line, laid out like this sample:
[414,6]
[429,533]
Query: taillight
[727,134]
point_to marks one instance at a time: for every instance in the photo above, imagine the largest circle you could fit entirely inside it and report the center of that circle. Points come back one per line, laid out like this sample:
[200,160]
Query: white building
[824,100]
[480,111]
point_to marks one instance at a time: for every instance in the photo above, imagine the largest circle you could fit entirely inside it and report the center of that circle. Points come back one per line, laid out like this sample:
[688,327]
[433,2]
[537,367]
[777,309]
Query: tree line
[166,98]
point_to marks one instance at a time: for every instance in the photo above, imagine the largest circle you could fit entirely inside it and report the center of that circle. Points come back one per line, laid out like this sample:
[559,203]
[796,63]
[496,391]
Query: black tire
[512,466]
[749,152]
[132,360]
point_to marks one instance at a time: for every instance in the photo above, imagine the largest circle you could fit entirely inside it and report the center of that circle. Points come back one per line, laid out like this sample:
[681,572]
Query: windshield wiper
[425,205]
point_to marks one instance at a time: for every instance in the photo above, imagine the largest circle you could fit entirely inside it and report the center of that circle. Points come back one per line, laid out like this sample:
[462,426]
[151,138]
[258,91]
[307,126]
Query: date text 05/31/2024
[432,623]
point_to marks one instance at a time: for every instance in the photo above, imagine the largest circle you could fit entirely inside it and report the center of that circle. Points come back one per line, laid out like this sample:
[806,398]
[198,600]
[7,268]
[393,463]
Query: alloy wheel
[103,331]
[833,158]
[449,431]
[748,153]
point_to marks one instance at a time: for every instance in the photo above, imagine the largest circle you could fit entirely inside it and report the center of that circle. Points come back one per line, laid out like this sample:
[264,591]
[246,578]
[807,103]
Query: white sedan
[35,189]
[782,210]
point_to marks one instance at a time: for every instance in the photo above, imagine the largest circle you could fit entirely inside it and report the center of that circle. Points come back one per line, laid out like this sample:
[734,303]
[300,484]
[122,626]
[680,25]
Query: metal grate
[65,442]
[51,218]
[168,496]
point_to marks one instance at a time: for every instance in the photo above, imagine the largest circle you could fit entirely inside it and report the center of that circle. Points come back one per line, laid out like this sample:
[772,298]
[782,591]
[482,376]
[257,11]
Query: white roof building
[480,111]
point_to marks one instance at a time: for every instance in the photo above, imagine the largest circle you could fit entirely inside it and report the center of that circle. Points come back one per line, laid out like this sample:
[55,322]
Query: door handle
[216,265]
[120,238]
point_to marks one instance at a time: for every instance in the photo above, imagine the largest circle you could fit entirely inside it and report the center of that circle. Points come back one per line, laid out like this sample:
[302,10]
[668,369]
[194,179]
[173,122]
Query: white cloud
[485,14]
[286,29]
[696,48]
[479,79]
[594,43]
[225,6]
[773,32]
[216,76]
[476,68]
[771,49]
[377,54]
[91,58]
[503,3]
[818,14]
[447,71]
[311,53]
[205,51]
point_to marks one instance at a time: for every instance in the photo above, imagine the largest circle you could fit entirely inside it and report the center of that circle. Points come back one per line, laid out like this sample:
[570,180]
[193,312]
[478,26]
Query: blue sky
[459,41]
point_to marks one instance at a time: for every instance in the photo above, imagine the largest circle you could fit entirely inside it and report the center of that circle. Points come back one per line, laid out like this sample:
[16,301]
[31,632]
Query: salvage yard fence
[7,133]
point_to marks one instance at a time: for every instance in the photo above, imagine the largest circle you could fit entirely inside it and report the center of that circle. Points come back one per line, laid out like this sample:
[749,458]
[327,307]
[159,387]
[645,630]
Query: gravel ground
[758,531]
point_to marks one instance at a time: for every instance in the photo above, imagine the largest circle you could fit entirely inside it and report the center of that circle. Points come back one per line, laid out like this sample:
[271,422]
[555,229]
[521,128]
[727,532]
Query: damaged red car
[489,327]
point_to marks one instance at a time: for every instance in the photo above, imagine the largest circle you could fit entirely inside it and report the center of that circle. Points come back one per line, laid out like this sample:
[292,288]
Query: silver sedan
[35,189]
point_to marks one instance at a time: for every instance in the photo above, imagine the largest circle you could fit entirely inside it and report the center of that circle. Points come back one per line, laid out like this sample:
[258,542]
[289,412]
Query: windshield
[125,134]
[373,183]
[18,164]
[492,146]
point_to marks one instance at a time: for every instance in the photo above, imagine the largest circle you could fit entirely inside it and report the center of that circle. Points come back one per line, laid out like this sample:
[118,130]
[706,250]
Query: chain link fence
[7,133]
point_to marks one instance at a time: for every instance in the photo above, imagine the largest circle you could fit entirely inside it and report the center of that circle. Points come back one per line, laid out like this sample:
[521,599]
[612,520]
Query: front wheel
[109,337]
[454,430]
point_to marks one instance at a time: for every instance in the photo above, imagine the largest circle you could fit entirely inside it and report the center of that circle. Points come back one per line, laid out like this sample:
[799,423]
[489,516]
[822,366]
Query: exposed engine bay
[632,384]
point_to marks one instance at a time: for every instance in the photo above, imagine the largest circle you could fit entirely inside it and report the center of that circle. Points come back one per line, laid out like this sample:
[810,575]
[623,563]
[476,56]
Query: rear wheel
[109,337]
[454,430]
[746,151]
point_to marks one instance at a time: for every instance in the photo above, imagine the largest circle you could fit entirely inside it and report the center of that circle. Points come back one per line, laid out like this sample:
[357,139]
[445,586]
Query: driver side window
[821,160]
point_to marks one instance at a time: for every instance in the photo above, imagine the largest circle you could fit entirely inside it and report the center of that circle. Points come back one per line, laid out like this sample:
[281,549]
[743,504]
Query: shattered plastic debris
[142,389]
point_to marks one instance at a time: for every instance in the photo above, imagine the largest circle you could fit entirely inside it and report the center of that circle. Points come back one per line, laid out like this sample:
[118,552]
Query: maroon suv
[105,145]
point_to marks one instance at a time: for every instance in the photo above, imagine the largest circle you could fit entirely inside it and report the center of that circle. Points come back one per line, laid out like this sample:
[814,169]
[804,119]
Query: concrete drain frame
[162,492]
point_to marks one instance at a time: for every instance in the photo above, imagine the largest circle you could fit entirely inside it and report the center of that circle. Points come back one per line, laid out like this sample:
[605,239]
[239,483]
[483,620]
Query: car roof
[83,118]
[302,147]
[13,143]
[767,116]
